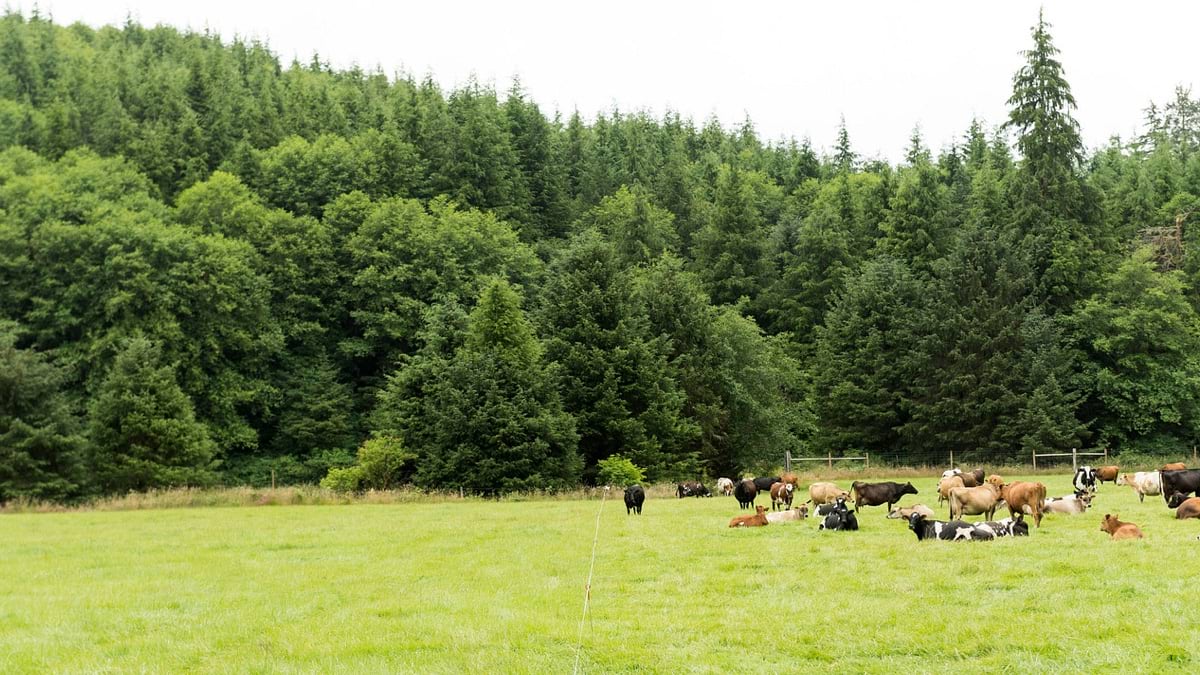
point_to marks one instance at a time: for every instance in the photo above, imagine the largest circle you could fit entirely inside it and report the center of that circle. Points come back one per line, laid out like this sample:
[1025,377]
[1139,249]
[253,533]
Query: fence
[1073,454]
[788,459]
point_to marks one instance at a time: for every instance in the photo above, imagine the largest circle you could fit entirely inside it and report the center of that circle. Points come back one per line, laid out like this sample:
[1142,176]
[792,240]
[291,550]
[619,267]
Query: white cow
[725,486]
[1143,483]
[797,513]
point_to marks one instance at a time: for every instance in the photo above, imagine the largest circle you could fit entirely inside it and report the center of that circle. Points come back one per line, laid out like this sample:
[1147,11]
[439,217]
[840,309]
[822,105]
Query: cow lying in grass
[953,530]
[1190,508]
[1120,530]
[797,513]
[904,512]
[1074,504]
[840,517]
[759,519]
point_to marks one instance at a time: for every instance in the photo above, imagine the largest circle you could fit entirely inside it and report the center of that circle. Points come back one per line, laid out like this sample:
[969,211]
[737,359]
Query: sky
[795,68]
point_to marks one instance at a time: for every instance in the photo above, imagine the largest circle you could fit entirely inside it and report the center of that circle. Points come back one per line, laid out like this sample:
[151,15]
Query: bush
[343,479]
[618,470]
[382,462]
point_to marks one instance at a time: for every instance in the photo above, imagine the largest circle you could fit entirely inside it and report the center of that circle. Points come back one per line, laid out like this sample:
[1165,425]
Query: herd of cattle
[968,493]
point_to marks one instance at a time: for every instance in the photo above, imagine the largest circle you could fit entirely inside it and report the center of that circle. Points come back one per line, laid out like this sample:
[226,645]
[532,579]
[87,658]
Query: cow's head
[908,489]
[1176,499]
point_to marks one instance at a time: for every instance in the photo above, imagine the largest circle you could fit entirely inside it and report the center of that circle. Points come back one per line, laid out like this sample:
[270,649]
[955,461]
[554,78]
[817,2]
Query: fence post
[868,465]
[1194,462]
[951,459]
[1074,461]
[1034,459]
[1106,454]
[831,460]
[787,460]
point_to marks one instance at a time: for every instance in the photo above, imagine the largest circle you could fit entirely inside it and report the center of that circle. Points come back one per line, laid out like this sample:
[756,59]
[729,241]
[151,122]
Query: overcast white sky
[794,67]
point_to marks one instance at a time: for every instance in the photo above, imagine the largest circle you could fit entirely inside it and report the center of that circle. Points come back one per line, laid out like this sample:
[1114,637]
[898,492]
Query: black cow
[1085,479]
[875,494]
[1181,483]
[745,492]
[764,484]
[953,530]
[840,517]
[692,489]
[635,496]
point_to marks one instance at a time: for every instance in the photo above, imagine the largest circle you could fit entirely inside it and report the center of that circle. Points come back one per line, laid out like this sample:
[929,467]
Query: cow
[759,519]
[840,517]
[1173,466]
[635,496]
[746,493]
[903,512]
[972,478]
[1074,504]
[792,478]
[725,486]
[954,530]
[946,485]
[1180,482]
[781,493]
[1084,479]
[797,513]
[692,489]
[1120,530]
[1190,508]
[965,501]
[1024,497]
[1008,527]
[1108,473]
[1143,483]
[951,472]
[825,493]
[876,494]
[764,483]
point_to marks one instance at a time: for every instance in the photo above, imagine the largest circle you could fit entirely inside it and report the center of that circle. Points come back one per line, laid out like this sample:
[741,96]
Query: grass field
[498,587]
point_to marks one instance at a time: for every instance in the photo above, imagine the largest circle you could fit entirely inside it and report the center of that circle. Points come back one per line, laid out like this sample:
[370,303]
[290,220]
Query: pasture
[489,586]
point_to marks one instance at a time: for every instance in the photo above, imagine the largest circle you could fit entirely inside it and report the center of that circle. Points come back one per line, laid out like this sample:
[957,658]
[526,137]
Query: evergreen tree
[142,427]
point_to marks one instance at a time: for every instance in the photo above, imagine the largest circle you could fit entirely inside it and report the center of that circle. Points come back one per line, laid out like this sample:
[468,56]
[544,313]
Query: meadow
[487,586]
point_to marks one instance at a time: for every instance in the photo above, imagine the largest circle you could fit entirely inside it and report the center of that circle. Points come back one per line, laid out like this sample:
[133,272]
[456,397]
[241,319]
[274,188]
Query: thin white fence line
[587,594]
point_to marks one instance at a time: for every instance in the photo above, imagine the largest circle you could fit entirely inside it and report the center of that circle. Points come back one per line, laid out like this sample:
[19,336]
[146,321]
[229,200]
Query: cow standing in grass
[877,494]
[635,496]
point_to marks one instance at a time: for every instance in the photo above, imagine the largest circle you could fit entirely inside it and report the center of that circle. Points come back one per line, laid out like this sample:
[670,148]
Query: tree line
[215,269]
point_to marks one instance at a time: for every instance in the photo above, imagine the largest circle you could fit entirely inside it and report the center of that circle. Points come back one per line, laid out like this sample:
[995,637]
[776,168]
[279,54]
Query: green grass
[498,587]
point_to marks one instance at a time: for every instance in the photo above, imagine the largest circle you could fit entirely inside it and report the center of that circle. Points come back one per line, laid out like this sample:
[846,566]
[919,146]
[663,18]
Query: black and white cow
[1085,479]
[1007,527]
[953,530]
[692,489]
[839,516]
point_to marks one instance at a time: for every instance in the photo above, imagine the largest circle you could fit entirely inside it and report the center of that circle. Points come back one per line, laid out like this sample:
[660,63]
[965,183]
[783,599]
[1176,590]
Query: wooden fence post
[868,465]
[787,460]
[951,459]
[1034,460]
[1074,461]
[831,460]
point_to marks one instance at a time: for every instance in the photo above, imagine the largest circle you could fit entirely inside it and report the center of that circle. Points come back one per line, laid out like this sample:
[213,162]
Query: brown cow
[996,480]
[981,500]
[792,478]
[947,484]
[1025,497]
[1173,466]
[759,519]
[972,478]
[781,493]
[825,493]
[1190,508]
[1119,530]
[1108,473]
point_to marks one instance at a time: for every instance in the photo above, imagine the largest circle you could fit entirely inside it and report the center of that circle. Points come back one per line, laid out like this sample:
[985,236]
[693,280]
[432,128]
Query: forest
[218,269]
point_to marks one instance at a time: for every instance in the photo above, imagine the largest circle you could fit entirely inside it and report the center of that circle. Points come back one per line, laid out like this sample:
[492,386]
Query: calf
[1008,527]
[725,486]
[1173,466]
[759,519]
[974,501]
[825,493]
[1180,482]
[876,494]
[746,493]
[1074,504]
[781,493]
[1189,509]
[954,530]
[840,517]
[692,489]
[1120,530]
[1143,483]
[635,496]
[797,513]
[906,511]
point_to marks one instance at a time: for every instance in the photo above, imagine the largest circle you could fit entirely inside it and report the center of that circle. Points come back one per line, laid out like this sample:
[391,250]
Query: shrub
[343,479]
[618,470]
[382,462]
